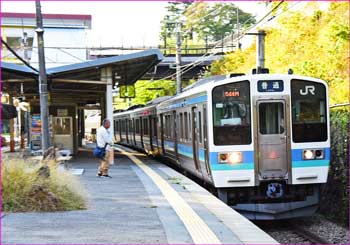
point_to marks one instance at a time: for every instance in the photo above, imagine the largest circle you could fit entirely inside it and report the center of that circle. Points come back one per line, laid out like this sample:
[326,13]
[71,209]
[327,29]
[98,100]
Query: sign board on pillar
[127,91]
[62,112]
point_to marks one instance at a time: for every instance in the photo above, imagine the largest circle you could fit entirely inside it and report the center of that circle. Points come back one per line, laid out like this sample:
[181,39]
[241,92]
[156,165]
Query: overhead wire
[205,57]
[76,57]
[249,28]
[18,56]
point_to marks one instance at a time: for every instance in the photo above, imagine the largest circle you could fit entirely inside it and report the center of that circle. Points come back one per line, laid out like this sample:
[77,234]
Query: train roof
[211,79]
[158,100]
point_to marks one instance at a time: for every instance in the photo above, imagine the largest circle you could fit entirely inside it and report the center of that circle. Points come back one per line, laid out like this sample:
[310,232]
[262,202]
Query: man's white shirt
[104,136]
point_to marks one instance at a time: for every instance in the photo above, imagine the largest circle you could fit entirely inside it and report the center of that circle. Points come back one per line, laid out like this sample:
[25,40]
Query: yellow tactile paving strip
[244,229]
[197,228]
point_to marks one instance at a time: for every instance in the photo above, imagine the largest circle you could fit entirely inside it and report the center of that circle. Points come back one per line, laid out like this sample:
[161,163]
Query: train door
[141,132]
[161,119]
[134,131]
[150,132]
[205,140]
[272,139]
[175,133]
[127,131]
[195,138]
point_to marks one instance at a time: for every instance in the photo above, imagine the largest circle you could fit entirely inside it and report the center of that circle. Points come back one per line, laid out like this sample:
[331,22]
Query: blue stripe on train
[185,150]
[298,162]
[297,154]
[248,158]
[199,99]
[247,164]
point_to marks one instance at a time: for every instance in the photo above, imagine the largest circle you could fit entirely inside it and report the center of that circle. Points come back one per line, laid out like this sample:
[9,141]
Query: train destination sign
[231,93]
[270,86]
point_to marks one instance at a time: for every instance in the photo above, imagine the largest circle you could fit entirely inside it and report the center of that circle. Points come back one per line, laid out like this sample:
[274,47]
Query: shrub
[25,187]
[335,193]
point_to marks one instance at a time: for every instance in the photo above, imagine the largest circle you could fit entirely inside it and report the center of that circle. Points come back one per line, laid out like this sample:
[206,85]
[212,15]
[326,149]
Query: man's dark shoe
[99,174]
[107,176]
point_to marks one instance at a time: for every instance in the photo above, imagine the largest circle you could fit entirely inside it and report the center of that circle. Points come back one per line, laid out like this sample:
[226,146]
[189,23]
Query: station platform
[144,202]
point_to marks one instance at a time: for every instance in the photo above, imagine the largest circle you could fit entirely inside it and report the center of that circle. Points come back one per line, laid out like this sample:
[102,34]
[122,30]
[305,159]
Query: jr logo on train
[261,141]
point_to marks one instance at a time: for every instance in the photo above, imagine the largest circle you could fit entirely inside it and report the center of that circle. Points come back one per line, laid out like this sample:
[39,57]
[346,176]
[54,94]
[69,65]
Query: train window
[137,128]
[173,125]
[131,126]
[119,126]
[145,126]
[231,114]
[271,118]
[189,127]
[154,126]
[186,126]
[309,113]
[181,127]
[123,126]
[200,126]
[167,126]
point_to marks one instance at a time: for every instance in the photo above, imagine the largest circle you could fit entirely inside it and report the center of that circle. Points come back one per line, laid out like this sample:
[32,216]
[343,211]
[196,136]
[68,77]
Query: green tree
[313,42]
[212,22]
[202,22]
[175,11]
[148,90]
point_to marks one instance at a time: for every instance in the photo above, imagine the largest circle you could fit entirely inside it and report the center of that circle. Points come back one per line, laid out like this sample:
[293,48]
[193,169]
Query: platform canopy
[10,71]
[81,82]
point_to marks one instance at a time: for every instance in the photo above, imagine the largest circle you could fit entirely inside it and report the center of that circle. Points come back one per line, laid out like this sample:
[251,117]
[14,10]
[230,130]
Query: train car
[261,140]
[138,127]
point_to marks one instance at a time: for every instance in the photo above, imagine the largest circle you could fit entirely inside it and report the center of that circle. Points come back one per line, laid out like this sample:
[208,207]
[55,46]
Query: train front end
[269,147]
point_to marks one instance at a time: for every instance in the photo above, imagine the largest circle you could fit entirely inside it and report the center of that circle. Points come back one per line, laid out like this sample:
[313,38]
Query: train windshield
[231,114]
[309,114]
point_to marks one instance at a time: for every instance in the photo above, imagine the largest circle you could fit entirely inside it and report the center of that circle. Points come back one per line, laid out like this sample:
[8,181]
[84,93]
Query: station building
[74,83]
[65,38]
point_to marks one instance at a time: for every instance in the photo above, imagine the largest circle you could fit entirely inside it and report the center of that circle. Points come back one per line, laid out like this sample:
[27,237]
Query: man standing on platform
[104,139]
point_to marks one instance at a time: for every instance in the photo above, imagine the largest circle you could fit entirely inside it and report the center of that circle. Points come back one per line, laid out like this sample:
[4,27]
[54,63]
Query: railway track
[311,236]
[291,232]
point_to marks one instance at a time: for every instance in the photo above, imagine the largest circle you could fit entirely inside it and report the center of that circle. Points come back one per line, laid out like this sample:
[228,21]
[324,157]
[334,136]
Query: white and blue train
[262,141]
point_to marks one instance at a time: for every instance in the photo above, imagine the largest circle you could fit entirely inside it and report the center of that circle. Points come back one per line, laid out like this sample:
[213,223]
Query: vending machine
[63,132]
[35,131]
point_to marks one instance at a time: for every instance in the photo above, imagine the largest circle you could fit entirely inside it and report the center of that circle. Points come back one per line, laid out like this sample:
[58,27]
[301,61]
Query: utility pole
[260,51]
[237,48]
[44,112]
[178,57]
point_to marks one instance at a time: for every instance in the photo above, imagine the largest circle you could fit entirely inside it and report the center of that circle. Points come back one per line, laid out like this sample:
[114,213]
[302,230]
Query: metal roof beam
[78,81]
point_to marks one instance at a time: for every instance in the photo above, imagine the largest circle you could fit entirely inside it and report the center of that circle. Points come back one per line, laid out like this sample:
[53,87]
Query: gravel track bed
[330,231]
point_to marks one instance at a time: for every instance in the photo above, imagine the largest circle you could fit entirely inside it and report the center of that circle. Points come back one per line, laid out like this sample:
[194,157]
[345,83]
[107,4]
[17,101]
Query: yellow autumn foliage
[311,41]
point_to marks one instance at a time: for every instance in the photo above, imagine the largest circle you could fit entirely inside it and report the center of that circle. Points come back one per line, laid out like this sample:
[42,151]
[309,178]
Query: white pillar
[106,76]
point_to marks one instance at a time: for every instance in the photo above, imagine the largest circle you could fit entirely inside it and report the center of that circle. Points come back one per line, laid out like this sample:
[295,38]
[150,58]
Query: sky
[116,23]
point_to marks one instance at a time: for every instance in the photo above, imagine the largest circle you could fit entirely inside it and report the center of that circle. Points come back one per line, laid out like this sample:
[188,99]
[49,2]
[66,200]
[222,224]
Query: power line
[76,57]
[17,56]
[243,33]
[204,57]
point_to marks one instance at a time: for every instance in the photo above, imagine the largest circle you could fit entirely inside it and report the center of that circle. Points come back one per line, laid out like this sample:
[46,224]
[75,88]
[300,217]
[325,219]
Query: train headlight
[313,154]
[231,157]
[308,154]
[319,154]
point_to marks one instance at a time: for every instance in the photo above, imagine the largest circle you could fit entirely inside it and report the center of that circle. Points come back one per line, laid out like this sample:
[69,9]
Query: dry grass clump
[39,187]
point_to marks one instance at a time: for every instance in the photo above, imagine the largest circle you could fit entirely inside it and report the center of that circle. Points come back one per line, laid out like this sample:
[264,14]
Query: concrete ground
[128,208]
